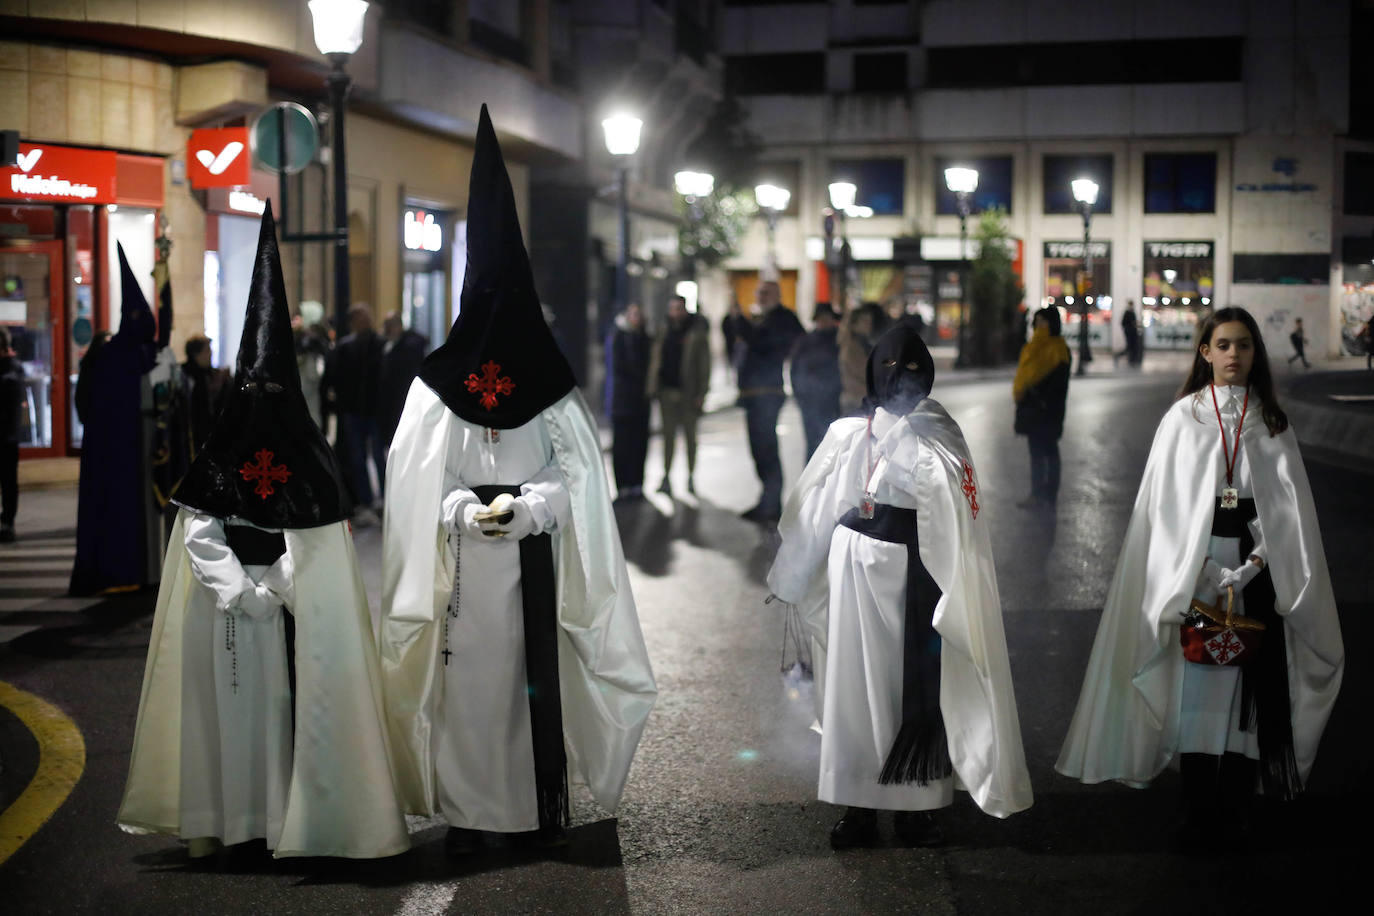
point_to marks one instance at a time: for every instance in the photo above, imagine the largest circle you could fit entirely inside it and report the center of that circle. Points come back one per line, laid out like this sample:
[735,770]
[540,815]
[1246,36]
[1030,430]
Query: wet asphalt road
[720,813]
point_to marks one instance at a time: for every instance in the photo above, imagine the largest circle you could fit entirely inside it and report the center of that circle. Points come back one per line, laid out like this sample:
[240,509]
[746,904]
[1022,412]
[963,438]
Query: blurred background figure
[727,330]
[1040,389]
[816,376]
[206,388]
[627,401]
[1299,342]
[313,344]
[679,375]
[350,388]
[402,353]
[1130,330]
[764,344]
[11,431]
[859,330]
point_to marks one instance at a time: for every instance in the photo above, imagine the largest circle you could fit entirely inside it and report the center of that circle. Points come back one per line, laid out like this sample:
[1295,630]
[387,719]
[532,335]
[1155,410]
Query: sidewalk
[1332,405]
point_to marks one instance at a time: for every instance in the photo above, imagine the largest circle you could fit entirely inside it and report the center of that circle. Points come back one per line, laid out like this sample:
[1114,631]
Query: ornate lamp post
[1085,192]
[338,33]
[842,196]
[963,182]
[622,142]
[772,200]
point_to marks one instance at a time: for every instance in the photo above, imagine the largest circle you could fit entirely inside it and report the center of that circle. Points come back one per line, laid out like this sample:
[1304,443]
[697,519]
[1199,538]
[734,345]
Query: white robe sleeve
[212,562]
[547,497]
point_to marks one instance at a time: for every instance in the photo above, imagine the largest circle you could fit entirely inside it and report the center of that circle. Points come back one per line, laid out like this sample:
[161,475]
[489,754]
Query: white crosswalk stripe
[34,573]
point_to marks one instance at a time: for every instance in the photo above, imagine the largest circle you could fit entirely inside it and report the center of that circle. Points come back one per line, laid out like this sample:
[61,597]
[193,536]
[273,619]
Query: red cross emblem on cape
[490,384]
[970,489]
[265,472]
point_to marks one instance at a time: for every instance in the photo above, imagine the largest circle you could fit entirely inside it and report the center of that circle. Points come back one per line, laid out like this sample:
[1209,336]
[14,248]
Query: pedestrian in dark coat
[1041,388]
[1130,330]
[627,400]
[402,354]
[679,376]
[350,383]
[1299,342]
[816,376]
[207,388]
[11,431]
[764,345]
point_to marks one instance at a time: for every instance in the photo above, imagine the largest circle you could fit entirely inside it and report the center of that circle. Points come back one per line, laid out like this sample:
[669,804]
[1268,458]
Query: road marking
[61,761]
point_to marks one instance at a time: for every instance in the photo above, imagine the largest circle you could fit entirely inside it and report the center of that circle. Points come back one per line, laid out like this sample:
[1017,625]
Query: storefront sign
[422,233]
[1075,250]
[60,174]
[1178,250]
[218,158]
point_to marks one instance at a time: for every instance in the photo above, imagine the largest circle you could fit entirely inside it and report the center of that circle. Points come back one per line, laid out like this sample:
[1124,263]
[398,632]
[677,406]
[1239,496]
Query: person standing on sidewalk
[402,353]
[627,401]
[816,376]
[679,375]
[1040,389]
[350,383]
[765,344]
[11,426]
[1299,342]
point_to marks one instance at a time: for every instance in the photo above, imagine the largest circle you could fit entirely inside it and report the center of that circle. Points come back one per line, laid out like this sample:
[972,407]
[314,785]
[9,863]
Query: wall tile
[162,14]
[114,67]
[142,72]
[162,75]
[47,59]
[58,9]
[48,106]
[114,114]
[124,12]
[83,109]
[142,118]
[83,63]
[14,56]
[14,100]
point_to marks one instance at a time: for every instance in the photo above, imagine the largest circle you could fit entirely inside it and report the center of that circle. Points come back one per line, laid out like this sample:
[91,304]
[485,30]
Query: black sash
[920,752]
[1264,700]
[539,603]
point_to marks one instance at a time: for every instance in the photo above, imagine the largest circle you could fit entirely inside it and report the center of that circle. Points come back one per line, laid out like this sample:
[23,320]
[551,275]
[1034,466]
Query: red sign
[60,174]
[218,158]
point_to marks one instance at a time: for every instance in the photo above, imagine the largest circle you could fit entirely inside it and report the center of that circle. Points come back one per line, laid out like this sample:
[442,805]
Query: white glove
[466,522]
[258,603]
[522,522]
[1239,577]
[1210,579]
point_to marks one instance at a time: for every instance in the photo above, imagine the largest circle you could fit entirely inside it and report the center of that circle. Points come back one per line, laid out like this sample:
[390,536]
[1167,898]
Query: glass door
[31,309]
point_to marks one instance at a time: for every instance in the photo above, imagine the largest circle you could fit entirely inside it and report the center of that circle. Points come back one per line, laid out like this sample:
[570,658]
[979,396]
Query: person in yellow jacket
[1040,389]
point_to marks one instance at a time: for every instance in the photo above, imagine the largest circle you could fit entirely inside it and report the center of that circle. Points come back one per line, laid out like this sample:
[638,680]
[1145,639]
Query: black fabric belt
[1232,523]
[253,546]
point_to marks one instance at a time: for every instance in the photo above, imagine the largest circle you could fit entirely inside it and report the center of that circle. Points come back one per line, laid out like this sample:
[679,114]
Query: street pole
[339,83]
[844,264]
[622,273]
[1084,355]
[962,199]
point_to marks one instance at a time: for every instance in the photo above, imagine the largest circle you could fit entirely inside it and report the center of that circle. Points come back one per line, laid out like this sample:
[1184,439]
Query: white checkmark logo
[30,159]
[216,165]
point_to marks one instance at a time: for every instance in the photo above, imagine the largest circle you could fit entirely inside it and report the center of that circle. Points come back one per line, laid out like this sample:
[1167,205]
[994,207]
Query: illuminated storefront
[1177,289]
[1068,286]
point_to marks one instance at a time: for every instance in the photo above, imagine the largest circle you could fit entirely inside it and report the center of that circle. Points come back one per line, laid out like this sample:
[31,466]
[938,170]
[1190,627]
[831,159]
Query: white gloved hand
[522,524]
[1239,577]
[467,525]
[258,603]
[1210,579]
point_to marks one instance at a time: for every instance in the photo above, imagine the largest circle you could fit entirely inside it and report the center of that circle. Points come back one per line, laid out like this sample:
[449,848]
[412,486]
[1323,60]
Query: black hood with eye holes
[266,461]
[899,388]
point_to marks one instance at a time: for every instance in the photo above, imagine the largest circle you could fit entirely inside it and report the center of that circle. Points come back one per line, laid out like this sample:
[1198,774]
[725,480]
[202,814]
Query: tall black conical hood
[266,461]
[500,365]
[136,324]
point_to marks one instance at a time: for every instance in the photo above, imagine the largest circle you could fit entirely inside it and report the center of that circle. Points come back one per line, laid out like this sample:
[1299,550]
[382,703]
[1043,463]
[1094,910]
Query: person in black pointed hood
[504,583]
[113,508]
[261,713]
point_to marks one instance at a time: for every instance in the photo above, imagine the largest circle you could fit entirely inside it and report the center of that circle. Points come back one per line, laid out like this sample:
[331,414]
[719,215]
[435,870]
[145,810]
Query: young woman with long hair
[1224,516]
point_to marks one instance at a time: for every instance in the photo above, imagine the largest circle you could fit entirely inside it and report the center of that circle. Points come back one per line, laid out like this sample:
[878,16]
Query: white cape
[976,698]
[607,686]
[341,799]
[1126,725]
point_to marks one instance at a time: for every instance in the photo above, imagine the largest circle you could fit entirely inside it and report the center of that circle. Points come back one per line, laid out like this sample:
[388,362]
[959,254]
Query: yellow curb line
[61,761]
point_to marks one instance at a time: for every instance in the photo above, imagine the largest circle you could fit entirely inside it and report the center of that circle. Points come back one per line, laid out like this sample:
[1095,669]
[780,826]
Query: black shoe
[858,827]
[460,841]
[917,828]
[761,516]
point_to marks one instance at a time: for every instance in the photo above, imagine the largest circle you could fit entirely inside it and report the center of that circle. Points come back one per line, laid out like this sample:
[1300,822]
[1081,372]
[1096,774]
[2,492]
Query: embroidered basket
[1211,637]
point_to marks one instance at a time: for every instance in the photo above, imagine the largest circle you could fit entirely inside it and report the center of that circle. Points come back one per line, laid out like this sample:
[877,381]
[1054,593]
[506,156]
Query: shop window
[994,184]
[1059,173]
[1359,184]
[881,182]
[1178,274]
[1180,182]
[776,74]
[880,72]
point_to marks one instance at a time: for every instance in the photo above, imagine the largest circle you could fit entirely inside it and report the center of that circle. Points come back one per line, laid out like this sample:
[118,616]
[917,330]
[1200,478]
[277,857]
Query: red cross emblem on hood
[490,384]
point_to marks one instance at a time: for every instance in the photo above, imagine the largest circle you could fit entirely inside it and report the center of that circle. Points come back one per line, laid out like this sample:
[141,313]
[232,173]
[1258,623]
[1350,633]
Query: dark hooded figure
[904,618]
[511,646]
[114,503]
[260,716]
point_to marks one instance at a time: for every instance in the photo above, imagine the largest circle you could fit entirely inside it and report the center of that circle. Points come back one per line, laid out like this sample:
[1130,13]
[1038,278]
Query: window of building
[1180,183]
[1281,269]
[885,72]
[776,74]
[1165,60]
[994,184]
[495,26]
[1359,184]
[881,182]
[1060,172]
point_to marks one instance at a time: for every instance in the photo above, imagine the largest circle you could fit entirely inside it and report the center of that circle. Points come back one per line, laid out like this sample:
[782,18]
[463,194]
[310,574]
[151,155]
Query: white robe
[442,718]
[851,592]
[1129,722]
[212,760]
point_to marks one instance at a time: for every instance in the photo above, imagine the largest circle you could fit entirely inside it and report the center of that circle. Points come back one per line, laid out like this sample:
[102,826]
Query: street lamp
[338,33]
[694,187]
[622,142]
[1085,192]
[842,196]
[962,182]
[772,200]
